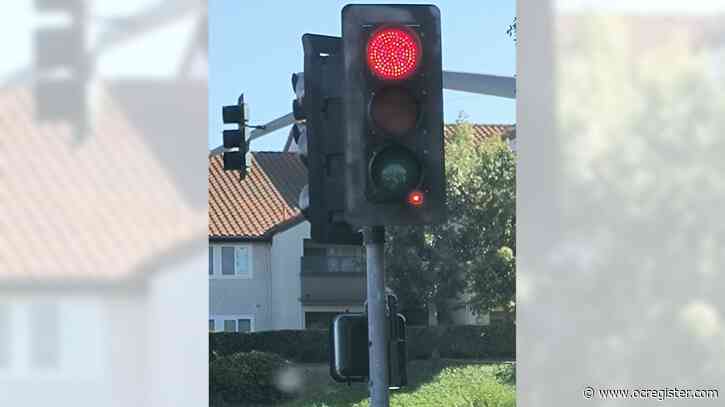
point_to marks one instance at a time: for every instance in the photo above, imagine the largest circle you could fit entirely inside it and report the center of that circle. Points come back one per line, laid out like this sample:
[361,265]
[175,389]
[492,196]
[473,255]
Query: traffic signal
[349,361]
[62,67]
[298,131]
[317,109]
[235,142]
[393,94]
[349,357]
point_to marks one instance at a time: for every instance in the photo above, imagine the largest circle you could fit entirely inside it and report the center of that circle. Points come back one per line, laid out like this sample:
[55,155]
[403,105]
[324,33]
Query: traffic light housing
[349,361]
[235,143]
[317,109]
[62,67]
[393,97]
[349,357]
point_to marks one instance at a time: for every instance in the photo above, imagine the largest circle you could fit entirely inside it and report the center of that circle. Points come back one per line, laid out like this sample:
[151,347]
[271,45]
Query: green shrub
[246,378]
[506,373]
[497,340]
[466,385]
[303,346]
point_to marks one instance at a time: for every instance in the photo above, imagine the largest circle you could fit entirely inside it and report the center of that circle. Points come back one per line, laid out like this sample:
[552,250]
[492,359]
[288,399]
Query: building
[264,272]
[98,244]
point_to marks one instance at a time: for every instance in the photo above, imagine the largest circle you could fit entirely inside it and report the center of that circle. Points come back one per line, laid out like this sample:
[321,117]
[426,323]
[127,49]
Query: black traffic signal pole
[377,321]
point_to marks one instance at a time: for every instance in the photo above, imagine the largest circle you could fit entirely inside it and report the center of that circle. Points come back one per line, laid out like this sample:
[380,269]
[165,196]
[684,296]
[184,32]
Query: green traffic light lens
[395,171]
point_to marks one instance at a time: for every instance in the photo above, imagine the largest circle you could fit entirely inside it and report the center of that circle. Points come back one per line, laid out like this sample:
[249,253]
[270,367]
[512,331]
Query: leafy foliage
[512,31]
[432,384]
[312,346]
[506,373]
[303,345]
[474,251]
[497,340]
[246,377]
[459,386]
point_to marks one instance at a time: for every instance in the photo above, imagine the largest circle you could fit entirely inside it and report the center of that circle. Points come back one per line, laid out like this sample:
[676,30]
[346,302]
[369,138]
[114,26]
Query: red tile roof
[482,131]
[266,200]
[254,207]
[96,211]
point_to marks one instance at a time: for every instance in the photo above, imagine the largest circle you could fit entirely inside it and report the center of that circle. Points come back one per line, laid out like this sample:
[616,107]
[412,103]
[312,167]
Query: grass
[443,383]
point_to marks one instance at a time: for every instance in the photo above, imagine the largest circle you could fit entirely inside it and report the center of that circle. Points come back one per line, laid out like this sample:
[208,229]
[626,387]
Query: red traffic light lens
[393,53]
[416,198]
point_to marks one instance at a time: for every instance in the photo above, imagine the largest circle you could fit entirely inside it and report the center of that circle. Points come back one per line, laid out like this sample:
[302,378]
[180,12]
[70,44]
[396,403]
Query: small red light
[416,198]
[393,53]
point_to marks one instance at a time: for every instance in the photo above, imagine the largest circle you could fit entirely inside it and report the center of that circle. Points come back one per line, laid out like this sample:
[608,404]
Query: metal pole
[377,320]
[482,84]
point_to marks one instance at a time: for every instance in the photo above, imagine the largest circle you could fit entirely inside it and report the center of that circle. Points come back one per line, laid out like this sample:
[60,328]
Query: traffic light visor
[393,53]
[231,114]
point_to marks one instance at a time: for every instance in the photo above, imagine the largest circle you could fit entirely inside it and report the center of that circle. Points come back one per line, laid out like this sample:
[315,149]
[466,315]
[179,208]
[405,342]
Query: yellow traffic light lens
[394,110]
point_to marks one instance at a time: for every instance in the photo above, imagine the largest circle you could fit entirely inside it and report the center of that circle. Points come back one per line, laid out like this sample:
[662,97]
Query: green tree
[512,30]
[474,251]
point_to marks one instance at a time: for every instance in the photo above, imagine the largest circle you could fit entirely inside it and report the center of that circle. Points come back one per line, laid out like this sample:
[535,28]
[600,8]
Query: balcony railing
[333,280]
[333,264]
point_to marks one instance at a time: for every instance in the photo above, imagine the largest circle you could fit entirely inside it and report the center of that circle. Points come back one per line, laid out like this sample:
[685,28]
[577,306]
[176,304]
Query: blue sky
[254,47]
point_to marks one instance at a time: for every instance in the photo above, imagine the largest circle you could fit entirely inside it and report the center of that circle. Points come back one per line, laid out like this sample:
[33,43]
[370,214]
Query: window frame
[220,319]
[21,364]
[217,261]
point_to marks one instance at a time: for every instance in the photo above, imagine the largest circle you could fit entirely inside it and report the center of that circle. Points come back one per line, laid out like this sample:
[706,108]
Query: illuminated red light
[393,53]
[416,198]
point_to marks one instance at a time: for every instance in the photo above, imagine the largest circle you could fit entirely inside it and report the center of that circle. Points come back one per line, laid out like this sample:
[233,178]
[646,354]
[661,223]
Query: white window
[211,260]
[46,338]
[5,338]
[230,262]
[231,323]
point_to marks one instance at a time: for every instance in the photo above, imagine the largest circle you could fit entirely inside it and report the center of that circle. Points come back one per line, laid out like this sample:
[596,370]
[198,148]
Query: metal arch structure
[480,84]
[124,29]
[274,125]
[167,94]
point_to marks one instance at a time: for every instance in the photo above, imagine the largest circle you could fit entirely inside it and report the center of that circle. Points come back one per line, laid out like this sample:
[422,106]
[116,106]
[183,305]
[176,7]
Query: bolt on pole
[377,320]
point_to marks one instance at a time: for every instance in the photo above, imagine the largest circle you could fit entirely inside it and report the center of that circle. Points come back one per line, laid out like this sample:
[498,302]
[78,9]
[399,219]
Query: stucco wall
[97,342]
[244,296]
[287,251]
[177,354]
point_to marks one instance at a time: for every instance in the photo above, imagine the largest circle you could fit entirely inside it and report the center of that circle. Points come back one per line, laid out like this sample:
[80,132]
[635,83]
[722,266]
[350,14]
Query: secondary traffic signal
[393,97]
[298,133]
[62,67]
[349,358]
[317,109]
[235,143]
